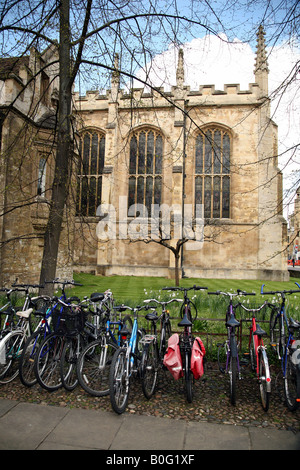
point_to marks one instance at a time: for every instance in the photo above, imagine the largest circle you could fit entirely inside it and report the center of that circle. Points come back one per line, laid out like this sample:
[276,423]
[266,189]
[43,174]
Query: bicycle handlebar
[126,307]
[57,281]
[28,285]
[184,288]
[282,292]
[254,309]
[231,294]
[162,302]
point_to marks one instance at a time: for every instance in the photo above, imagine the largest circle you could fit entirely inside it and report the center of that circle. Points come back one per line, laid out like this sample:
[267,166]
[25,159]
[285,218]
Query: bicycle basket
[69,322]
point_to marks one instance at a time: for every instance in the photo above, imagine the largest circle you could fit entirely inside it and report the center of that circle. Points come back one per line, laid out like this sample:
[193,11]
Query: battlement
[231,94]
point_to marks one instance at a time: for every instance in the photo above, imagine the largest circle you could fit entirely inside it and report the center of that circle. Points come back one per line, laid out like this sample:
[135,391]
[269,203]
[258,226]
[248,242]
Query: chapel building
[204,160]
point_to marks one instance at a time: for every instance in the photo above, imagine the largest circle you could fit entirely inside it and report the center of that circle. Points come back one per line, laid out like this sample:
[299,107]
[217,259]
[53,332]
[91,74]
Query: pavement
[28,426]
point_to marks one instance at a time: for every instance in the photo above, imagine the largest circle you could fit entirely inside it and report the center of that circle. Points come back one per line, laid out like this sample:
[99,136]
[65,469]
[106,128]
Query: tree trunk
[63,155]
[177,257]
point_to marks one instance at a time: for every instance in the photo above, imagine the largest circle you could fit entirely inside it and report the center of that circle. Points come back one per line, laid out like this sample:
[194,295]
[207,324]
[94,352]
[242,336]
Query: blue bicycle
[284,339]
[125,363]
[94,362]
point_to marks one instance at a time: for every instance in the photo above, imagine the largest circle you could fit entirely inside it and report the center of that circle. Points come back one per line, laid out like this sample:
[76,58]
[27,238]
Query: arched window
[212,173]
[92,152]
[145,168]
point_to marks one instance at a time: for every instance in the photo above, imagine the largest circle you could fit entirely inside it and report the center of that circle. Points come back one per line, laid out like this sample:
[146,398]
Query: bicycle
[231,345]
[283,337]
[43,329]
[186,339]
[125,363]
[12,342]
[95,359]
[258,356]
[65,320]
[154,348]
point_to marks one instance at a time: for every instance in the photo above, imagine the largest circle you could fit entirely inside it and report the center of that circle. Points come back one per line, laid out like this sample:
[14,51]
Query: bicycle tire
[193,313]
[292,384]
[119,382]
[221,356]
[166,333]
[188,376]
[264,375]
[252,353]
[127,323]
[277,337]
[149,369]
[26,365]
[68,369]
[232,379]
[93,379]
[11,348]
[47,362]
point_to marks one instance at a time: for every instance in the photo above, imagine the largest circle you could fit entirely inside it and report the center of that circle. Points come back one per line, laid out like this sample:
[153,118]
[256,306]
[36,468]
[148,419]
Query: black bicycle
[155,345]
[189,314]
[229,363]
[284,339]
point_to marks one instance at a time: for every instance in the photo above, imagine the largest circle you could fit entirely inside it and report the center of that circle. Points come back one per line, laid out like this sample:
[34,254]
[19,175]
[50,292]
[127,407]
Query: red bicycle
[258,356]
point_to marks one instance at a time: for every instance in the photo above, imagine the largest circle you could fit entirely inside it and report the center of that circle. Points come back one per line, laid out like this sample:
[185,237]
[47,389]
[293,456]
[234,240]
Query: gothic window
[145,169]
[212,173]
[92,150]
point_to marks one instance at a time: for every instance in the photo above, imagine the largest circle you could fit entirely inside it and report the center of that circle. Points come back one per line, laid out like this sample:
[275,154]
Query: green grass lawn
[131,287]
[133,290]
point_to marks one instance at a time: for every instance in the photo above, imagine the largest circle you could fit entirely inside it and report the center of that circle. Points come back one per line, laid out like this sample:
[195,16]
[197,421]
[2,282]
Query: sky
[211,60]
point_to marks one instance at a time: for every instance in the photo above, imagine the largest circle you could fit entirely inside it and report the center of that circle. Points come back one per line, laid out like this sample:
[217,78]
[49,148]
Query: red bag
[198,353]
[172,359]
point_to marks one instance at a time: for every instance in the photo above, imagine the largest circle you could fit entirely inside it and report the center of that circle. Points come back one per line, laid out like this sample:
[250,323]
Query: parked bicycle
[125,363]
[230,365]
[258,355]
[284,338]
[44,310]
[155,345]
[94,362]
[67,320]
[13,341]
[189,314]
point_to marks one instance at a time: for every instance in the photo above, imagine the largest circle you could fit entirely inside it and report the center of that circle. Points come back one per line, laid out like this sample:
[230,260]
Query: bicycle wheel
[127,323]
[252,352]
[222,356]
[68,370]
[264,376]
[149,369]
[188,376]
[232,379]
[47,362]
[277,334]
[292,384]
[119,382]
[93,367]
[10,351]
[166,333]
[26,365]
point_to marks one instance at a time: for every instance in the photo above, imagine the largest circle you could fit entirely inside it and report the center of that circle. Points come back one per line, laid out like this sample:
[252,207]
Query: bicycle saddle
[185,321]
[232,321]
[151,316]
[259,331]
[96,297]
